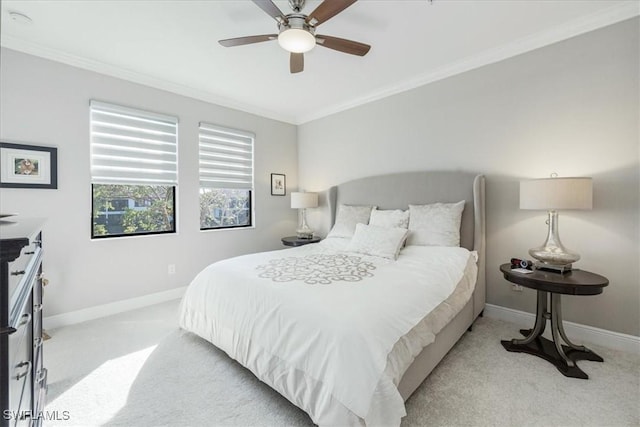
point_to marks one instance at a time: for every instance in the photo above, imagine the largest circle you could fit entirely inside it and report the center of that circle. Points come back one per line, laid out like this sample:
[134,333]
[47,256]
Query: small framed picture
[28,166]
[278,184]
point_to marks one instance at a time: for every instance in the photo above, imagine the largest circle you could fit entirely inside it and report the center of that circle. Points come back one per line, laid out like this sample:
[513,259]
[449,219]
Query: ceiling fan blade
[296,62]
[271,9]
[343,45]
[327,10]
[239,41]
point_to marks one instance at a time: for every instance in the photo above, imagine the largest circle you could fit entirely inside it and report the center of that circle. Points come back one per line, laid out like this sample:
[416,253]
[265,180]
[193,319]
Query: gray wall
[47,103]
[570,108]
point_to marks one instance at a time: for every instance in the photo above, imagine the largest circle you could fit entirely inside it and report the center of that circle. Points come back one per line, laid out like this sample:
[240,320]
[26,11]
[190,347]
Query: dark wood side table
[295,241]
[575,282]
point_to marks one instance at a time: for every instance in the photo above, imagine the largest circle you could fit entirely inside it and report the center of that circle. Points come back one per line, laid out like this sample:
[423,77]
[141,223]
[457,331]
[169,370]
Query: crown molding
[14,43]
[603,18]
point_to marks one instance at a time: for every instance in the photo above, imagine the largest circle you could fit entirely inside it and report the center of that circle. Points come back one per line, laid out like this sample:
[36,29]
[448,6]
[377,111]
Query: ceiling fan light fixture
[296,40]
[296,31]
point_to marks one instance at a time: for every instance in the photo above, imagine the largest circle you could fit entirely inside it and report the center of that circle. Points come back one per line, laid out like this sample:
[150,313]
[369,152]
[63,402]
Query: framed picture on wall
[28,166]
[278,184]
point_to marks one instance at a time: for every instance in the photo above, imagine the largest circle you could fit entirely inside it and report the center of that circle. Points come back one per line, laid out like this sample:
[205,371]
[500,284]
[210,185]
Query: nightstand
[295,241]
[551,285]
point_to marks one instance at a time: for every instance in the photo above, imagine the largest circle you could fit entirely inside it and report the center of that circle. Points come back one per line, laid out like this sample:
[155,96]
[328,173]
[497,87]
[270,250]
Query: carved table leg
[562,356]
[539,326]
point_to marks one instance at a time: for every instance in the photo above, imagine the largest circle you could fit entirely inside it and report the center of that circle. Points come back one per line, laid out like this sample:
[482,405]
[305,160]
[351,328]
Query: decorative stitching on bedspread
[320,269]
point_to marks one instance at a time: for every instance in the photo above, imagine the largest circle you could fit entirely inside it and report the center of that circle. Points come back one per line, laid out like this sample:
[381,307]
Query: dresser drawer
[38,342]
[20,267]
[20,370]
[22,338]
[20,394]
[39,395]
[23,293]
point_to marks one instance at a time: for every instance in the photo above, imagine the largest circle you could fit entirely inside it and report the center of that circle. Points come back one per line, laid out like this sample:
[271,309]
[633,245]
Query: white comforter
[318,324]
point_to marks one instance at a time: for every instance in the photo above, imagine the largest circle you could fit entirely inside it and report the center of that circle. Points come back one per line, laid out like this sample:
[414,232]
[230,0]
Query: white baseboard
[576,332]
[104,310]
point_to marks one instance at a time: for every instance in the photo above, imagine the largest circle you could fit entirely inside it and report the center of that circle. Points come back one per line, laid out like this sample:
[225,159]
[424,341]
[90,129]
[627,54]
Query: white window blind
[226,158]
[132,147]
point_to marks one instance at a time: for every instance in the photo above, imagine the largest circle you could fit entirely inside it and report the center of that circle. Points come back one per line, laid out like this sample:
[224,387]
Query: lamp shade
[556,193]
[304,200]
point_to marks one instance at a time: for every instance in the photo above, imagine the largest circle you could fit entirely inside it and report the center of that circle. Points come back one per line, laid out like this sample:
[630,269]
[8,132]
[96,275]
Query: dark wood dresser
[23,379]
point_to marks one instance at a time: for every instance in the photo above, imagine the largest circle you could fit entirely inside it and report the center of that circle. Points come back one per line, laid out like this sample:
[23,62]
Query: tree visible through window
[132,209]
[224,208]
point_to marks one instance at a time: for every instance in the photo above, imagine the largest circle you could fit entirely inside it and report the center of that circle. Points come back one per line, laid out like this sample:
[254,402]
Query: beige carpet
[138,369]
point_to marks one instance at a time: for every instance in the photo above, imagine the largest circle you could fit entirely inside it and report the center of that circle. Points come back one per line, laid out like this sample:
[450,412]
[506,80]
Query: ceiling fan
[297,31]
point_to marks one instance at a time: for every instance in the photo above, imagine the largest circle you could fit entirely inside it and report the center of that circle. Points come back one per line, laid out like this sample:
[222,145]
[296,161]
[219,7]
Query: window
[226,177]
[134,171]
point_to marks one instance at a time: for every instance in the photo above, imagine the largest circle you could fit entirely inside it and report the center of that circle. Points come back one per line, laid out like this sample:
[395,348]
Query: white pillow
[346,219]
[390,218]
[377,241]
[437,224]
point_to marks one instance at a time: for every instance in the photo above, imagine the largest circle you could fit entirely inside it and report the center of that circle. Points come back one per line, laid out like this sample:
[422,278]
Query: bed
[342,328]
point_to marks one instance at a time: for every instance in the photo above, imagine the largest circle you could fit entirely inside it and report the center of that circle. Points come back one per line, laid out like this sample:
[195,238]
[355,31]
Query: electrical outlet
[516,288]
[171,269]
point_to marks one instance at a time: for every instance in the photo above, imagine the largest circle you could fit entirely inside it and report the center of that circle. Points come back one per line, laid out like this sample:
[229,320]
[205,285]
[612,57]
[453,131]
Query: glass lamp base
[303,231]
[552,255]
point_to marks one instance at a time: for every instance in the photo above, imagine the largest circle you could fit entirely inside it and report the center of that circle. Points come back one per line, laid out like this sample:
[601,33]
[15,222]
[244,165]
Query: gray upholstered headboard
[397,191]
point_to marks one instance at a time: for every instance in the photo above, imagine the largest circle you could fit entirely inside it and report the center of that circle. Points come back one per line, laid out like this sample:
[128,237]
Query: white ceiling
[173,45]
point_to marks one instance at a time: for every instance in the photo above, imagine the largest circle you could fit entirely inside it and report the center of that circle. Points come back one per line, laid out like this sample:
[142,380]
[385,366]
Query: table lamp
[554,194]
[304,201]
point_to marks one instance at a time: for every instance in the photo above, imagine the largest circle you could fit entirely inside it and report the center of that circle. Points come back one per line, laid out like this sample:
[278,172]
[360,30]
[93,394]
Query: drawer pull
[41,375]
[17,272]
[25,372]
[37,342]
[45,281]
[26,318]
[30,253]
